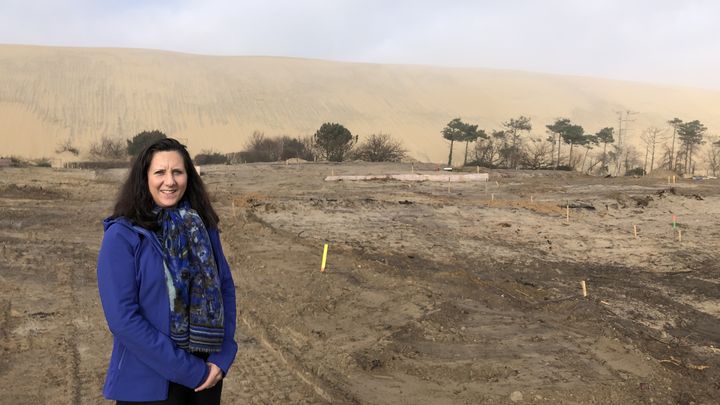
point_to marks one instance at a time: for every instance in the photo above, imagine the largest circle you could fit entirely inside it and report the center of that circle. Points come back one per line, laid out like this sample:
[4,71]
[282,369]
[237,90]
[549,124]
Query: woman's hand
[214,376]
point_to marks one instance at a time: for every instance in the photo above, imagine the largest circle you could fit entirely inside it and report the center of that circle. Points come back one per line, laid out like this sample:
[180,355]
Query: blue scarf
[196,307]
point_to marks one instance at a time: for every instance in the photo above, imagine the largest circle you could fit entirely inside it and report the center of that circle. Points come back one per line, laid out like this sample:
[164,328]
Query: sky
[658,41]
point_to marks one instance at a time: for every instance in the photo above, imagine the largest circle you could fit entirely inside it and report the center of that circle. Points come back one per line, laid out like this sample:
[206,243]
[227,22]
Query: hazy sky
[661,41]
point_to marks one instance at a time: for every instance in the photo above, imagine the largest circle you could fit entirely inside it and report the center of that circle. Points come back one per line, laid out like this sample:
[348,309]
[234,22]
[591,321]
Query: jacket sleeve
[118,288]
[225,357]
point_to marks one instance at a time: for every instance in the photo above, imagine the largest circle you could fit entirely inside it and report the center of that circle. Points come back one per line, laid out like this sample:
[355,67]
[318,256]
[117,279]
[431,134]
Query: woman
[165,286]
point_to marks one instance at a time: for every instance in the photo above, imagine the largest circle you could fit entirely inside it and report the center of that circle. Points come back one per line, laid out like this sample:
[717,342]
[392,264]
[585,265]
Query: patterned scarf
[196,307]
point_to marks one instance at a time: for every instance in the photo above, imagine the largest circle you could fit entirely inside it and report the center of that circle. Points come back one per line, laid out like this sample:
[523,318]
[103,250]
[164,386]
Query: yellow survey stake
[322,266]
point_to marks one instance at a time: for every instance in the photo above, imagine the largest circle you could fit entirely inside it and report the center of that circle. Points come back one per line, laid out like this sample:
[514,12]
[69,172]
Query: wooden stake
[673,179]
[584,288]
[332,172]
[492,197]
[567,213]
[679,235]
[531,199]
[635,230]
[412,167]
[233,208]
[324,258]
[478,169]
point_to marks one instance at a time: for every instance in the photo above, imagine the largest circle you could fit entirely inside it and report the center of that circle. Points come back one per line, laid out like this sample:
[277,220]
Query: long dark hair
[135,202]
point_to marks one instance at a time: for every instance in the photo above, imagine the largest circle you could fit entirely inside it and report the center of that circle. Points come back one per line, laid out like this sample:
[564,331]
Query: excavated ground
[461,294]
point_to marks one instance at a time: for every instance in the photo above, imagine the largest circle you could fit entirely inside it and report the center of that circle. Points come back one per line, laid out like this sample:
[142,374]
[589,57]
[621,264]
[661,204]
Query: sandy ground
[461,295]
[49,95]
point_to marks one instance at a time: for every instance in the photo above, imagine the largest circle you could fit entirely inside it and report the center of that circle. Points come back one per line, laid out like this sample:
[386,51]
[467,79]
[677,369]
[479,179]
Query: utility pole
[620,122]
[620,135]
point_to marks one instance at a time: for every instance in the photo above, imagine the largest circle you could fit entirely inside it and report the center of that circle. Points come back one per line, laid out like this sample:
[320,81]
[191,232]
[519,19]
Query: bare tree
[651,136]
[108,149]
[574,161]
[713,155]
[625,157]
[614,156]
[260,148]
[67,146]
[487,151]
[595,161]
[537,153]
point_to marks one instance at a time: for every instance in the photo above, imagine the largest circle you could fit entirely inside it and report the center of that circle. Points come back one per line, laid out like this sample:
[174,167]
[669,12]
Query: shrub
[263,149]
[42,162]
[296,148]
[18,162]
[379,148]
[210,158]
[638,171]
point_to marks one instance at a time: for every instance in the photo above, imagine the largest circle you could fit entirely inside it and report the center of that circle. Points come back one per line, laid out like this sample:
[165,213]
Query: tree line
[514,147]
[331,142]
[566,146]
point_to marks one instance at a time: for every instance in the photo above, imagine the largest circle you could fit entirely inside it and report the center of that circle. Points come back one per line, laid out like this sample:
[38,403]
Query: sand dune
[50,94]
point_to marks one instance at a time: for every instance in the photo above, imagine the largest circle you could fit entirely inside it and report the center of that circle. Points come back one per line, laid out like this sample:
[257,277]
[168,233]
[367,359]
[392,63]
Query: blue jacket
[134,296]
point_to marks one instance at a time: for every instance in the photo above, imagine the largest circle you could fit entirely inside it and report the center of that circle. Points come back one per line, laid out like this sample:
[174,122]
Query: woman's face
[167,178]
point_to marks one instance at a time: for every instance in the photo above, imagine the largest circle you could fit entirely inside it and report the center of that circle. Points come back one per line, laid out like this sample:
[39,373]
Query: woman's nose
[169,179]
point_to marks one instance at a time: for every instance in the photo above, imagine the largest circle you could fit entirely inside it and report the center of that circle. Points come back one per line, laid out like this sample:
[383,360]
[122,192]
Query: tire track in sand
[260,377]
[68,347]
